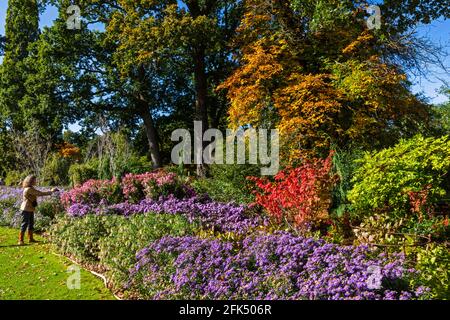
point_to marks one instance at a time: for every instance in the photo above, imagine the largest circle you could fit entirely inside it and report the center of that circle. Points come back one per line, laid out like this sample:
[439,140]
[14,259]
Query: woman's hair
[28,181]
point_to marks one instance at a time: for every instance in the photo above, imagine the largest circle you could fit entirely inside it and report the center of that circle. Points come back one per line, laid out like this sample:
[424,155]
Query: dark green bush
[10,214]
[344,165]
[136,165]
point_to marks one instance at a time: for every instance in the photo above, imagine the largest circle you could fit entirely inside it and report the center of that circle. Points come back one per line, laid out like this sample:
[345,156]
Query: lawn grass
[33,272]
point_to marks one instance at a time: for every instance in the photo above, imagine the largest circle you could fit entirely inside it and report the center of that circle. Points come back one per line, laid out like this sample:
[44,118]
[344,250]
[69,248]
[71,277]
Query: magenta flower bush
[278,266]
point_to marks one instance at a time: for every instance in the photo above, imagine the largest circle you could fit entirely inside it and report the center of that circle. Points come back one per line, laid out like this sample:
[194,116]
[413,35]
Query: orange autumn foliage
[68,150]
[308,106]
[319,91]
[250,87]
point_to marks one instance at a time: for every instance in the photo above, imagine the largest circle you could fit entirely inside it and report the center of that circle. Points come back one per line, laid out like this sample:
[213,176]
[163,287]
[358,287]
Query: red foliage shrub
[418,201]
[300,195]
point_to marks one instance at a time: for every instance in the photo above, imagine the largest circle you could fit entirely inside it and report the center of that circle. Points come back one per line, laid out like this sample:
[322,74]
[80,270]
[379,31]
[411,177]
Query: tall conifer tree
[21,29]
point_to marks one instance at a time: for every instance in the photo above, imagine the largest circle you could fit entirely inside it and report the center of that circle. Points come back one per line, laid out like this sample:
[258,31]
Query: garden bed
[154,237]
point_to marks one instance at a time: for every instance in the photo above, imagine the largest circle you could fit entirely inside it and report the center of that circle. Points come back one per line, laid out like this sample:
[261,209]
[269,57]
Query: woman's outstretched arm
[38,193]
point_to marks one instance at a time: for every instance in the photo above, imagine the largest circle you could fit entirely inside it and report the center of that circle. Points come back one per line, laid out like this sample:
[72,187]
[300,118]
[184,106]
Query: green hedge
[110,242]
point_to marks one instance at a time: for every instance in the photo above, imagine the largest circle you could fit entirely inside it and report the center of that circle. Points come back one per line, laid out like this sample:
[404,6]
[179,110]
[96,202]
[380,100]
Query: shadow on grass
[14,245]
[22,245]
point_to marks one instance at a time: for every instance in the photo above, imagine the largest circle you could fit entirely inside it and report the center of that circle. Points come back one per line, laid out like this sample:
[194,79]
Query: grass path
[33,272]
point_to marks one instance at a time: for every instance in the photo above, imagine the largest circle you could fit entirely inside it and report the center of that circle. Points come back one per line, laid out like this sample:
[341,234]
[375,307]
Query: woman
[29,204]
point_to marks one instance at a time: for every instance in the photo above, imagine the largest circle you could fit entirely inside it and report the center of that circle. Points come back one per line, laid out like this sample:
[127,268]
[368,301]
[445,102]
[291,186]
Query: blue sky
[438,32]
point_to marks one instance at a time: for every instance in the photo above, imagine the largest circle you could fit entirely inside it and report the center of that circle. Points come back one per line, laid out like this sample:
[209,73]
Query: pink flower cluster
[133,188]
[92,192]
[137,186]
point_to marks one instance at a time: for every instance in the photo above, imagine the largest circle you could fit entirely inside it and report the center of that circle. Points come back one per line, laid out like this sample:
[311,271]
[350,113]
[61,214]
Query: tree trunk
[149,125]
[152,137]
[201,89]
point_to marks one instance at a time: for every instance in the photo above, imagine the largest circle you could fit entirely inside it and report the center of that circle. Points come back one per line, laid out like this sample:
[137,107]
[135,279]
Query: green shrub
[126,236]
[42,223]
[111,241]
[433,264]
[396,191]
[10,214]
[384,179]
[228,183]
[14,178]
[55,171]
[152,185]
[79,238]
[82,172]
[136,165]
[344,165]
